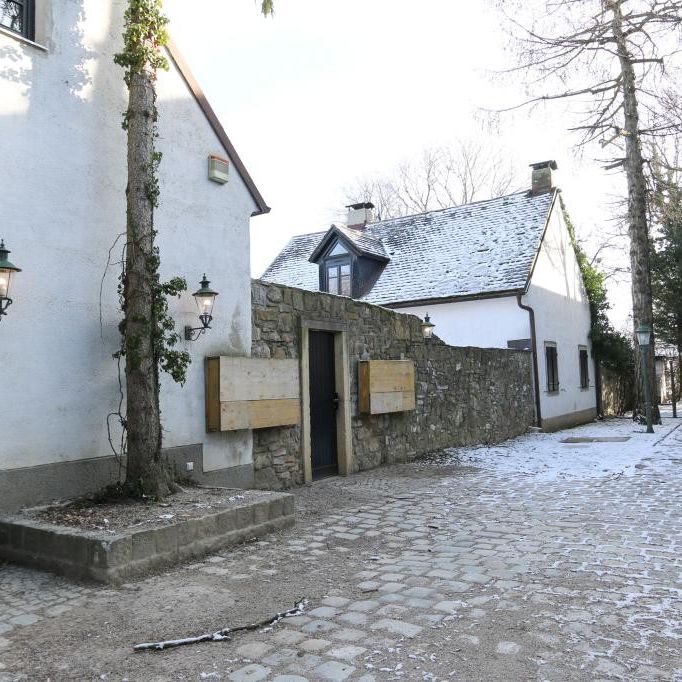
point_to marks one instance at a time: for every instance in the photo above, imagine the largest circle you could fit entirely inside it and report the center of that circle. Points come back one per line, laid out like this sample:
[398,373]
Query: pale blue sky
[325,92]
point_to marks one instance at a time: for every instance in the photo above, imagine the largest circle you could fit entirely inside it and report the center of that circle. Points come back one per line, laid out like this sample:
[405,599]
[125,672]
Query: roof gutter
[534,348]
[506,293]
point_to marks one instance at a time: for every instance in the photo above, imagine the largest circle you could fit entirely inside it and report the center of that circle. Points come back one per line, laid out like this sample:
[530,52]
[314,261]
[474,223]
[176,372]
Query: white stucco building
[64,177]
[500,273]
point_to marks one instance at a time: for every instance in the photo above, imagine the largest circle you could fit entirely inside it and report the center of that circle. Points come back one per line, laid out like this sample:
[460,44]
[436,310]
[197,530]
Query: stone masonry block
[166,539]
[143,544]
[261,512]
[226,521]
[276,507]
[119,551]
[245,516]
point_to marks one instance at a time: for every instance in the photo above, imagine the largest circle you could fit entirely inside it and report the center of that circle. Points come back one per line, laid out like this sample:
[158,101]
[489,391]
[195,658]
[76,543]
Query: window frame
[552,377]
[28,23]
[337,262]
[584,375]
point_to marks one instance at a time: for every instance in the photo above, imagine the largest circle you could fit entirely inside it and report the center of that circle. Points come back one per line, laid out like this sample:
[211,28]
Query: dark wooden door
[323,405]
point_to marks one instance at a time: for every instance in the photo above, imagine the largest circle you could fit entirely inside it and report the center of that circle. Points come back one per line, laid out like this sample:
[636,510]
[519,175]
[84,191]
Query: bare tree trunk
[145,472]
[642,307]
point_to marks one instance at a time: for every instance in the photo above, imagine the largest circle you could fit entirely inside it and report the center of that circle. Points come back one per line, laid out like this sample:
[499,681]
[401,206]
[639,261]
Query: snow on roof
[364,241]
[482,248]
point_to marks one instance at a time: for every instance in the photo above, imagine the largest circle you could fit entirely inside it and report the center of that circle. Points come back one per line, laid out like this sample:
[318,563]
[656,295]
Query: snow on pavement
[544,457]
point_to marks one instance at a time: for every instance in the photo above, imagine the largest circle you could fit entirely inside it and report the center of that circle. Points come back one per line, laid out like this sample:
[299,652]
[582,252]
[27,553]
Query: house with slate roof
[500,273]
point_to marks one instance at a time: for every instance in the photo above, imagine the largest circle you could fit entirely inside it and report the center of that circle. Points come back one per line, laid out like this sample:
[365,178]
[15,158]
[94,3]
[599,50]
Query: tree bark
[145,473]
[642,308]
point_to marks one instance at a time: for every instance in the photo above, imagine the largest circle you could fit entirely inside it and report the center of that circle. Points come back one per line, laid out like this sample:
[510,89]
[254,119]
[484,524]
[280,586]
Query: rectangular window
[584,369]
[18,16]
[339,278]
[552,365]
[333,280]
[345,280]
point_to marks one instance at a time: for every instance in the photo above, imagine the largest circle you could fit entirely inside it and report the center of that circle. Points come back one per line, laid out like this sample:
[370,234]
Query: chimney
[359,215]
[542,177]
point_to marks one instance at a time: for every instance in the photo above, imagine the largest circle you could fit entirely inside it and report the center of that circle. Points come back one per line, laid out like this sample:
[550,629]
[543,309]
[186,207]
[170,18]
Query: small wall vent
[218,169]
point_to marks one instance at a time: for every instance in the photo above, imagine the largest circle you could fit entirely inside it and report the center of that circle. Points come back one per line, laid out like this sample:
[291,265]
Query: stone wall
[464,395]
[617,393]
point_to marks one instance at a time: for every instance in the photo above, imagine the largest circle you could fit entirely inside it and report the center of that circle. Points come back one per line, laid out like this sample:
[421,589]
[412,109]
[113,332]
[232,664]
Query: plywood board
[259,414]
[212,385]
[389,376]
[251,393]
[382,403]
[258,379]
[386,386]
[363,388]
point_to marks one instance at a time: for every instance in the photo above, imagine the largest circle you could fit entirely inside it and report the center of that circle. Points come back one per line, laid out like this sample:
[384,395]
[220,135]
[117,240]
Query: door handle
[335,401]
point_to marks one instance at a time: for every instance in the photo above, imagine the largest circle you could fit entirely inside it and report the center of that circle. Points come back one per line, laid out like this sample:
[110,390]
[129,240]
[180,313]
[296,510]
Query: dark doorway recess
[324,403]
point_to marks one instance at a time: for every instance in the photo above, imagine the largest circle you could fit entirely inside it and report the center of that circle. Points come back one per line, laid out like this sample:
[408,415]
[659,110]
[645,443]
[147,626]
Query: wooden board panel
[386,386]
[212,385]
[383,403]
[251,393]
[363,387]
[389,376]
[259,414]
[243,379]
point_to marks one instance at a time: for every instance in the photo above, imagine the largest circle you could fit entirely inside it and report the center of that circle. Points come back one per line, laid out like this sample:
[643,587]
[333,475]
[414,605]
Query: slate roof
[477,249]
[364,241]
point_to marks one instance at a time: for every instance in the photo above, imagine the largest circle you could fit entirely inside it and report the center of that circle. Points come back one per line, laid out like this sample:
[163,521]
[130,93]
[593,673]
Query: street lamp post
[672,385]
[643,338]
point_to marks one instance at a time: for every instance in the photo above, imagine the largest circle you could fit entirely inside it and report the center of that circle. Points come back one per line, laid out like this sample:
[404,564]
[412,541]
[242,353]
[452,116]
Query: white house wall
[63,187]
[562,316]
[485,323]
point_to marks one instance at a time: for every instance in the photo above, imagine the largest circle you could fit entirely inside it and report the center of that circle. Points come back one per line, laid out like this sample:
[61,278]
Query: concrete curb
[126,555]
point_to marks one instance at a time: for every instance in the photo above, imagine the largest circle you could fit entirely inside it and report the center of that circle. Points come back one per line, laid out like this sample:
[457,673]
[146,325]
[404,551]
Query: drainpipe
[534,348]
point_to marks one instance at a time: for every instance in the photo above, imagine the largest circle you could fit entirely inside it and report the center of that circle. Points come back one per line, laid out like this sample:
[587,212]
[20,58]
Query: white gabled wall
[562,315]
[64,178]
[485,323]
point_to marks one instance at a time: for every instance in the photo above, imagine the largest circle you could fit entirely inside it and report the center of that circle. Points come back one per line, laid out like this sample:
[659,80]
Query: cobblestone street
[425,571]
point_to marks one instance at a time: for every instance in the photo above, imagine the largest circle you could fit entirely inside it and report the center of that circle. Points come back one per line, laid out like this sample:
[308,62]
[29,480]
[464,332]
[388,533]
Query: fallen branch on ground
[224,634]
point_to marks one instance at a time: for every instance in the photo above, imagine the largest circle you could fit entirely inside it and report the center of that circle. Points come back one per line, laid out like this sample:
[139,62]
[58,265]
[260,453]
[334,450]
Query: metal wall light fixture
[7,269]
[643,341]
[205,298]
[427,327]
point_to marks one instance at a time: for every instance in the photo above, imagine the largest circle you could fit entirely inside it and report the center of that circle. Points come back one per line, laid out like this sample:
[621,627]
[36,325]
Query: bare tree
[439,178]
[609,57]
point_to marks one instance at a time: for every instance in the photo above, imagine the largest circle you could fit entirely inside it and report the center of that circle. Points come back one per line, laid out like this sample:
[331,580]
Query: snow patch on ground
[544,457]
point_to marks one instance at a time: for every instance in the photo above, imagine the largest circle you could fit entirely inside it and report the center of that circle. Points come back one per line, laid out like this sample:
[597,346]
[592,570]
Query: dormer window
[338,277]
[18,16]
[335,270]
[349,261]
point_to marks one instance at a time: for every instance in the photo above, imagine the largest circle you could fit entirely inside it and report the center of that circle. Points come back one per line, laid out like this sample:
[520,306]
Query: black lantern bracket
[205,300]
[7,269]
[193,333]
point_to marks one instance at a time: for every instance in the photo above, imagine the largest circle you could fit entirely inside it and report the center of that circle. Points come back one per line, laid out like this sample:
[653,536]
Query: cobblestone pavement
[426,571]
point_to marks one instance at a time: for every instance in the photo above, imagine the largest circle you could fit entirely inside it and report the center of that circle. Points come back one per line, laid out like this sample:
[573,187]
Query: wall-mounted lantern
[427,327]
[7,269]
[205,298]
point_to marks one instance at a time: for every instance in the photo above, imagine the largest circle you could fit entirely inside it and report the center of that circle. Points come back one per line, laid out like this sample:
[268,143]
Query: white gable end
[562,318]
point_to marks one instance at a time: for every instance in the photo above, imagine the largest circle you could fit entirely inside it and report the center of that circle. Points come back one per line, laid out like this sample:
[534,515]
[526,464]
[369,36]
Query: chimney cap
[544,164]
[364,204]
